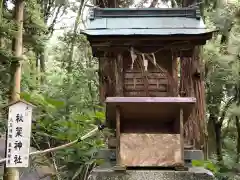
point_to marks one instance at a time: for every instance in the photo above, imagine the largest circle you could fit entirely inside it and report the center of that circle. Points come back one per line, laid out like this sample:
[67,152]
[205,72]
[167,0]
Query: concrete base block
[192,174]
[189,155]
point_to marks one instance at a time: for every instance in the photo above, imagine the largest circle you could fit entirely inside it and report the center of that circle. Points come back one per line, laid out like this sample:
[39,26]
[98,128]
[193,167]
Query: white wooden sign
[19,134]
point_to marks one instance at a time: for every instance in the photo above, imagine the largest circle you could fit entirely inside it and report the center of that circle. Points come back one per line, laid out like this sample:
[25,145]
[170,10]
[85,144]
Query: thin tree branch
[54,163]
[51,27]
[227,127]
[153,3]
[64,10]
[174,3]
[69,68]
[87,169]
[224,111]
[48,7]
[84,5]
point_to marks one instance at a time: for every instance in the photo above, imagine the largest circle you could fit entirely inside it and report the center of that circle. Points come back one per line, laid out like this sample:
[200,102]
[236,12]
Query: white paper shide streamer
[133,56]
[145,62]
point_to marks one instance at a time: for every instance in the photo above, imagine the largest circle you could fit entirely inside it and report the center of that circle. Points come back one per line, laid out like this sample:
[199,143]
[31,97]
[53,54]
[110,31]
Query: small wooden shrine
[138,52]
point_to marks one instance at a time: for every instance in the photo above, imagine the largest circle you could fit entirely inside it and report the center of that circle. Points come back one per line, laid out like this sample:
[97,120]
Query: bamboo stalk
[13,173]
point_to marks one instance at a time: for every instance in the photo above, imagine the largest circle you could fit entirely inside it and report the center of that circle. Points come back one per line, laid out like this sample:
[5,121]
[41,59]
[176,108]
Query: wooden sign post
[19,134]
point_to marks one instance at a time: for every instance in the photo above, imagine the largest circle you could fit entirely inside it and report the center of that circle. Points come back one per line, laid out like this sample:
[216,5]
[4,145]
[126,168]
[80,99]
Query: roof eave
[207,35]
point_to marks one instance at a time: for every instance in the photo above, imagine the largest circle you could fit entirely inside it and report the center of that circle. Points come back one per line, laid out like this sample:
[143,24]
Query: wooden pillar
[118,117]
[146,83]
[102,81]
[107,77]
[119,92]
[119,75]
[175,74]
[181,134]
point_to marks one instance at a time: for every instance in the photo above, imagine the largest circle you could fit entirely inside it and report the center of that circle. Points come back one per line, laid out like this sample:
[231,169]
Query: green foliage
[222,79]
[66,103]
[34,26]
[52,128]
[206,164]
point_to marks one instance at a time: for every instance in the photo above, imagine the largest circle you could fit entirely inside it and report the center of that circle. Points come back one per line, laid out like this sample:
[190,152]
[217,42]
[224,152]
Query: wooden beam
[118,71]
[152,37]
[182,51]
[152,43]
[112,142]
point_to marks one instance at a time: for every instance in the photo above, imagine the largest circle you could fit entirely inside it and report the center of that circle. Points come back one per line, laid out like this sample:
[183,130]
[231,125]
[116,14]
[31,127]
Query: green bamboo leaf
[77,173]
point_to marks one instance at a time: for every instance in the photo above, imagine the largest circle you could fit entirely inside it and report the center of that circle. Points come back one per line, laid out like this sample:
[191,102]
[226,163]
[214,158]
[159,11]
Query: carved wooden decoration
[136,84]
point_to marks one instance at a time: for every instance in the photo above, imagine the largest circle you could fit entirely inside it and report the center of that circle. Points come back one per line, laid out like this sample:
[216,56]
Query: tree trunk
[192,84]
[200,108]
[211,139]
[12,173]
[42,65]
[17,50]
[218,136]
[213,119]
[71,56]
[46,7]
[191,131]
[238,139]
[76,24]
[195,72]
[90,89]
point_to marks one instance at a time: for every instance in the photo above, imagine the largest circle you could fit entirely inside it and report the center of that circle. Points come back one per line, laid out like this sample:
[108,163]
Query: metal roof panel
[145,23]
[97,24]
[114,21]
[125,32]
[153,23]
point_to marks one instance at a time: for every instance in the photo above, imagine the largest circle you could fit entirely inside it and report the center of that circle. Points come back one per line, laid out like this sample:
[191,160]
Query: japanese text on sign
[19,132]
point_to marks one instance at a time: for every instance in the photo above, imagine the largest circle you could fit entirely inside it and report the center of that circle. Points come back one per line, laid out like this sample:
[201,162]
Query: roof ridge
[147,28]
[144,12]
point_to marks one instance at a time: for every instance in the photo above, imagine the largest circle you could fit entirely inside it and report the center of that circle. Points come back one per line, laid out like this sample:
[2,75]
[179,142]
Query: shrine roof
[145,21]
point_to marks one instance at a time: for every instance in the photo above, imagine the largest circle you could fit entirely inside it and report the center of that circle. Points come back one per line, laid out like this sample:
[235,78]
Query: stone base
[192,174]
[109,157]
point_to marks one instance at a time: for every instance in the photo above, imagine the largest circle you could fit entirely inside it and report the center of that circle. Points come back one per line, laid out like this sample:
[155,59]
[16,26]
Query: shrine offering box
[149,130]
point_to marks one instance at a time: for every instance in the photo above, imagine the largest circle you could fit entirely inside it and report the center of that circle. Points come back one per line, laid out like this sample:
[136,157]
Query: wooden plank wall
[145,150]
[156,84]
[136,82]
